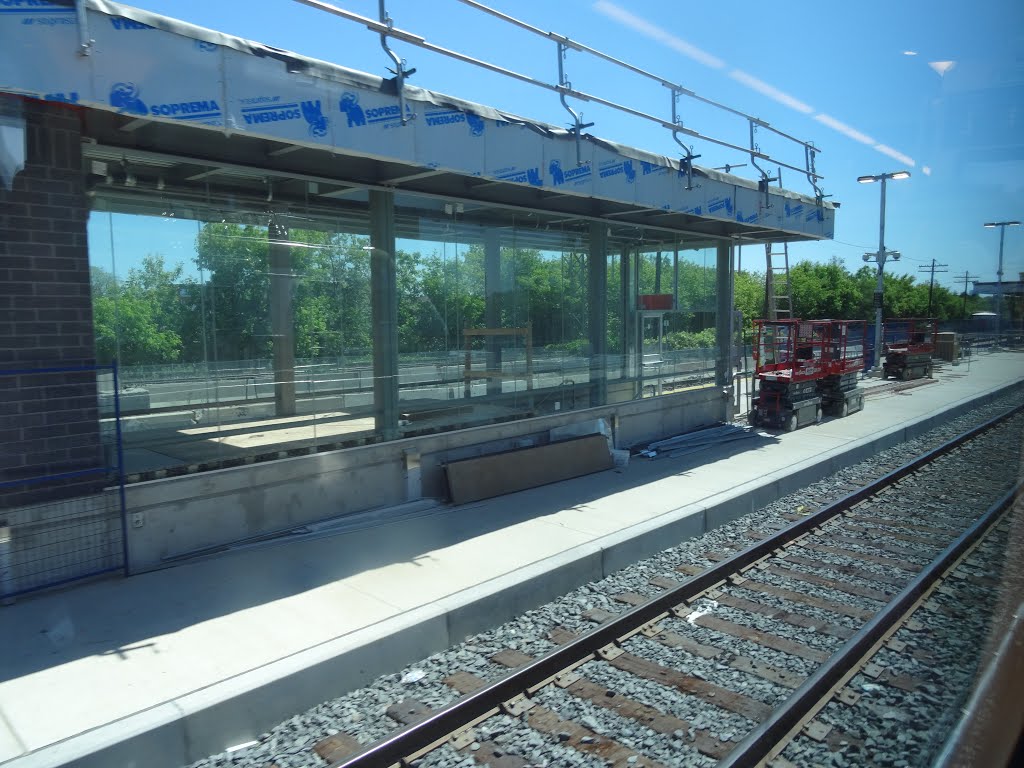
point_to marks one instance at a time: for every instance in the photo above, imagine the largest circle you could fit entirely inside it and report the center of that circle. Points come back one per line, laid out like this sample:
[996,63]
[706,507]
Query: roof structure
[171,105]
[1009,288]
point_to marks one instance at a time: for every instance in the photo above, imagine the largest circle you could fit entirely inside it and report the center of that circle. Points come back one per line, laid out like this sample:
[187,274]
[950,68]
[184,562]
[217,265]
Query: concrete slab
[167,667]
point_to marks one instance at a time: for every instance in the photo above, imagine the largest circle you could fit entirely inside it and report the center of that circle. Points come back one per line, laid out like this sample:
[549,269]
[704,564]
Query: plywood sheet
[501,473]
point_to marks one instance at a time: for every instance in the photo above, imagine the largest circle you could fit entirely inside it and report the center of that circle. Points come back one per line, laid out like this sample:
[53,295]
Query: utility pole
[931,284]
[999,295]
[881,257]
[966,278]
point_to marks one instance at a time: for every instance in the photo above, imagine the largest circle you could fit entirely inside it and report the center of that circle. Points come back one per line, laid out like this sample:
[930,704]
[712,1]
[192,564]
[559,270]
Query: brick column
[48,422]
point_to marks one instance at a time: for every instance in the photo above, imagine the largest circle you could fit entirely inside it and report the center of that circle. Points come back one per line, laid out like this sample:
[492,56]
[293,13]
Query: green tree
[237,289]
[449,296]
[332,297]
[137,322]
[331,294]
[748,297]
[824,290]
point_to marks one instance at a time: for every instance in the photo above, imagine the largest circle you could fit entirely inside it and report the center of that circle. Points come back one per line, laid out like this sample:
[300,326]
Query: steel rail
[992,720]
[758,744]
[433,729]
[418,40]
[583,48]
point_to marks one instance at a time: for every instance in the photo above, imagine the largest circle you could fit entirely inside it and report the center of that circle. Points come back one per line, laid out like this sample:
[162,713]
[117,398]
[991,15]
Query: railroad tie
[569,733]
[657,721]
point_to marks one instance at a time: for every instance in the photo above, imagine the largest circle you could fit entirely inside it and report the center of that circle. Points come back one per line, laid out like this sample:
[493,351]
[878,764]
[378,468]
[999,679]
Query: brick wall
[48,422]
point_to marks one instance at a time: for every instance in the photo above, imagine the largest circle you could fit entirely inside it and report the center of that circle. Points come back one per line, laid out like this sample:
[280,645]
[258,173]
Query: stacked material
[692,442]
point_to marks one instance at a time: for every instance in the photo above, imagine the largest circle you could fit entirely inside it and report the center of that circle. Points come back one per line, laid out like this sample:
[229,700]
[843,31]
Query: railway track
[841,580]
[698,675]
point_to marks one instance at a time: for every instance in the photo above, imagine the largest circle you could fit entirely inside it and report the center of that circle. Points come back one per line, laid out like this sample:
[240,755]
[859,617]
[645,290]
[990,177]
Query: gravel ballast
[363,713]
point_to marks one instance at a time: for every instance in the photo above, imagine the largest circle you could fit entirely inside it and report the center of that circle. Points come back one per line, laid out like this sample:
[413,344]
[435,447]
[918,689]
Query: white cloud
[770,91]
[844,129]
[655,32]
[887,150]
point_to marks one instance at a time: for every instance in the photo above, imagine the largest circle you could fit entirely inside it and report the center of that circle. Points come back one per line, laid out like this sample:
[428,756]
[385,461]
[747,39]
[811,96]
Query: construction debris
[692,442]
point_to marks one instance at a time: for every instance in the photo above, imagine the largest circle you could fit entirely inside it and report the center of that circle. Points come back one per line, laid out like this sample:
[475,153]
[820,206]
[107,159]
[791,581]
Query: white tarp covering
[161,69]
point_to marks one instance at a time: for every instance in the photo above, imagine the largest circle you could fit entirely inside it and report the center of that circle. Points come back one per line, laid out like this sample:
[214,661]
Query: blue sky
[934,87]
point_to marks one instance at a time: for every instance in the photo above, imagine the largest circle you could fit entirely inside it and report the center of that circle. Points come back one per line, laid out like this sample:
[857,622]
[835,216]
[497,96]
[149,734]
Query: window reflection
[244,334]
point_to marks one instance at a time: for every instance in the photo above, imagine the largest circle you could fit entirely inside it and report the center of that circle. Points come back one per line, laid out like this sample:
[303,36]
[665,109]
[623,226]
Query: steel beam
[492,305]
[384,312]
[282,317]
[597,303]
[723,313]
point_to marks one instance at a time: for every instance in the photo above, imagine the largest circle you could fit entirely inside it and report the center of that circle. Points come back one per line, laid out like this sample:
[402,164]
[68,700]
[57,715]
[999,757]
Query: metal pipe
[563,82]
[688,158]
[399,69]
[575,45]
[880,287]
[417,40]
[765,178]
[999,295]
[810,152]
[999,273]
[754,153]
[82,17]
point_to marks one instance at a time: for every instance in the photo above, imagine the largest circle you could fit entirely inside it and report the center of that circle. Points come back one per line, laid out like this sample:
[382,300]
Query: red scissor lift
[789,360]
[844,360]
[908,345]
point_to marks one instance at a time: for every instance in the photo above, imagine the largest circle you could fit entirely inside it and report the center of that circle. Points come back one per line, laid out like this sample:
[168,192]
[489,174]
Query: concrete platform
[168,667]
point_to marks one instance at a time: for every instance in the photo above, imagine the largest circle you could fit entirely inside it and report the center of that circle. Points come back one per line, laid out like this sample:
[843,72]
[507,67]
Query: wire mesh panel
[61,493]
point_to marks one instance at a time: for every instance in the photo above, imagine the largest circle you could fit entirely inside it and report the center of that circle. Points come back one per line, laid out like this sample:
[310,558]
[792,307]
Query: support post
[999,290]
[597,326]
[625,281]
[675,279]
[384,311]
[723,317]
[880,287]
[282,317]
[492,306]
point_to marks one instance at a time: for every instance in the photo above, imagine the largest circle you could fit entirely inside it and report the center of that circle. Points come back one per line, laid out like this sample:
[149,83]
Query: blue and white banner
[153,68]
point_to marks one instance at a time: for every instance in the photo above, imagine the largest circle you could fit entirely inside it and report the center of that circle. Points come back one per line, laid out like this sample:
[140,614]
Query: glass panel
[615,306]
[246,332]
[194,310]
[493,316]
[690,341]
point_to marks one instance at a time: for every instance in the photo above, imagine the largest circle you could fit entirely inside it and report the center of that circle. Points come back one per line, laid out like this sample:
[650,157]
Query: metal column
[675,279]
[384,298]
[492,306]
[597,302]
[723,315]
[629,321]
[282,317]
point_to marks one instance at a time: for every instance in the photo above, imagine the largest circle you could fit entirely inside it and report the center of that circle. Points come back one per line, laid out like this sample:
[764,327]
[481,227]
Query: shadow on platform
[123,616]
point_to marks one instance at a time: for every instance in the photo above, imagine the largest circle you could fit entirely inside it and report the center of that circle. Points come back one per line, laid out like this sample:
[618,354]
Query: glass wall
[187,307]
[244,330]
[670,328]
[493,316]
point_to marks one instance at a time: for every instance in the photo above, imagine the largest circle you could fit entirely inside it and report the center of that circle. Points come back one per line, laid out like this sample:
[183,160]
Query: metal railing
[385,27]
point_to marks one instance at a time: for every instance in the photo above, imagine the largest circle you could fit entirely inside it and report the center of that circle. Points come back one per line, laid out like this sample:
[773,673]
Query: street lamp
[880,257]
[999,274]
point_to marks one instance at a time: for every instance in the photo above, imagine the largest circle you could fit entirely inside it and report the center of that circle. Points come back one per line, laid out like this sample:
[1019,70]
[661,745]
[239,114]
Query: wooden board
[501,473]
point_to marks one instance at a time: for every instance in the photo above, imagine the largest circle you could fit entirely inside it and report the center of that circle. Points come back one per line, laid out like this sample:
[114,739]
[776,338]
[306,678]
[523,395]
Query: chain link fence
[61,480]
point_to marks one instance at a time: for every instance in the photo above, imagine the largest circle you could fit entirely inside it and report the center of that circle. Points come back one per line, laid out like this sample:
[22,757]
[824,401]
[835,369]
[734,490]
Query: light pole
[880,258]
[999,274]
